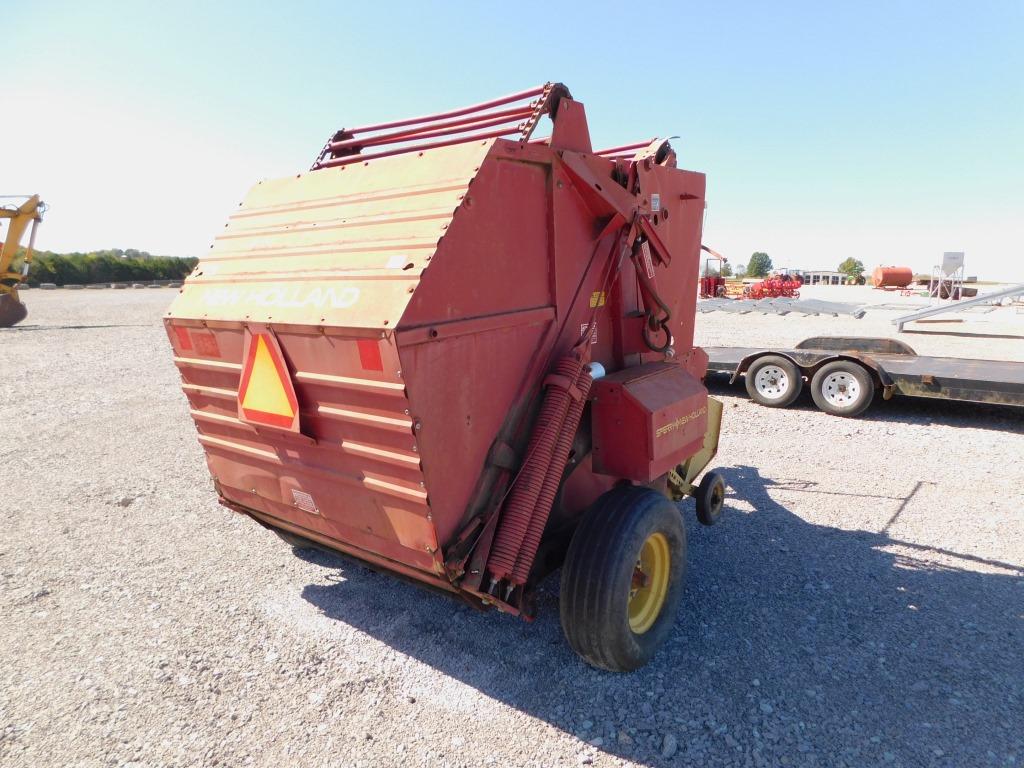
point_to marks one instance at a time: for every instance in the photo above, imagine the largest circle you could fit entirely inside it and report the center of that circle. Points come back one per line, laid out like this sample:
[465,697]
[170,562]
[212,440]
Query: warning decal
[265,392]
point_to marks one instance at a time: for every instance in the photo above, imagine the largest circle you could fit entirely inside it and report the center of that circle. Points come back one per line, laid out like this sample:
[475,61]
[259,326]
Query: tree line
[109,266]
[760,265]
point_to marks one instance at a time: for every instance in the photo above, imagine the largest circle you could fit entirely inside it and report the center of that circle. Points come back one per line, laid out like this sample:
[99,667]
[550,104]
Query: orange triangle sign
[265,392]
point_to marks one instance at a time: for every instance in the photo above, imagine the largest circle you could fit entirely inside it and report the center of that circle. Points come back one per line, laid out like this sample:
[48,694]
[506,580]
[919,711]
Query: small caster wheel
[710,498]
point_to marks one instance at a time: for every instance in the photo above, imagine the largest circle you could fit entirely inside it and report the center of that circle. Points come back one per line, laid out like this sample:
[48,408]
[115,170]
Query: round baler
[465,355]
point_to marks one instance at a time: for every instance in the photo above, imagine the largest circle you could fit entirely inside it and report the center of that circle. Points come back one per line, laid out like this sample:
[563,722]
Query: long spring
[515,519]
[546,498]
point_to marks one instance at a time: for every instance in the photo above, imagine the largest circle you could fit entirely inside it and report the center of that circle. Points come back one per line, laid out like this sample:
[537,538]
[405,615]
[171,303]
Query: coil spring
[546,499]
[515,519]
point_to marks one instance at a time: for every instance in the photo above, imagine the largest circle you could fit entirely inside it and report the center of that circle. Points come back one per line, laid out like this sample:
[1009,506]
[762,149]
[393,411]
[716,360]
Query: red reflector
[184,341]
[369,355]
[265,393]
[206,343]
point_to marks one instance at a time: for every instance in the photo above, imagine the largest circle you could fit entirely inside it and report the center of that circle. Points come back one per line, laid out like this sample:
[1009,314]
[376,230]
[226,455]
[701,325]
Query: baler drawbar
[464,354]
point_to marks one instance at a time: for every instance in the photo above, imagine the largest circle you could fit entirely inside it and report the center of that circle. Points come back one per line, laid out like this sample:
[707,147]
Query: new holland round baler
[464,354]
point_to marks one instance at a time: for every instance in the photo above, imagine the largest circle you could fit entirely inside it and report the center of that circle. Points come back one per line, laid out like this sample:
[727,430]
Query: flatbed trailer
[845,373]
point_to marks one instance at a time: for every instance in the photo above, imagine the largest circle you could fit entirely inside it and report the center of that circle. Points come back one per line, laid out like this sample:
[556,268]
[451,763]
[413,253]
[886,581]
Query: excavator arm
[30,212]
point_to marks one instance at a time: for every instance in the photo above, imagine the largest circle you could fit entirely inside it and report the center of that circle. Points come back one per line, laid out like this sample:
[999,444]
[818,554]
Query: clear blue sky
[887,131]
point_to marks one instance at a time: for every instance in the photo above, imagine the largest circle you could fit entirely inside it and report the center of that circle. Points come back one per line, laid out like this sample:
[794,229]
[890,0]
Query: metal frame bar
[959,306]
[449,127]
[625,149]
[415,148]
[347,146]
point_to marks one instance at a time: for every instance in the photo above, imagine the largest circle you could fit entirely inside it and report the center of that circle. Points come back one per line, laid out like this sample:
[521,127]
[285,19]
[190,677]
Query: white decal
[593,334]
[645,251]
[655,202]
[295,297]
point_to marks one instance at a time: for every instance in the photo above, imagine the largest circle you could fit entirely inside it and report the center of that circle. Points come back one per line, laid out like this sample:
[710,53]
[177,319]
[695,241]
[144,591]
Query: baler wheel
[710,496]
[623,578]
[843,388]
[773,381]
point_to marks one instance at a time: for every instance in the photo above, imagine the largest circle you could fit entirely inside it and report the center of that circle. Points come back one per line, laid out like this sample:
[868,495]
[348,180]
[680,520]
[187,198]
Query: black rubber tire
[598,571]
[710,498]
[788,367]
[864,380]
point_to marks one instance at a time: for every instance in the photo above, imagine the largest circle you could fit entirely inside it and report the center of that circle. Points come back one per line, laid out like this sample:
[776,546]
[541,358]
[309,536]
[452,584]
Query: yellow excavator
[18,217]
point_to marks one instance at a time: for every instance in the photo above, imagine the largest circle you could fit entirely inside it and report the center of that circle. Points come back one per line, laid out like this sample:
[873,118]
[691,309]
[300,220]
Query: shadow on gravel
[911,410]
[796,644]
[26,328]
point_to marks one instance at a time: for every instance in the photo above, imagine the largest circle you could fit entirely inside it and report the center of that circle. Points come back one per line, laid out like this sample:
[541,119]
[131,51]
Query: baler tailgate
[357,436]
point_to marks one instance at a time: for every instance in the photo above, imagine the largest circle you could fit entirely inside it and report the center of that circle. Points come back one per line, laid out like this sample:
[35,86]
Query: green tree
[852,268]
[104,267]
[726,270]
[760,264]
[741,270]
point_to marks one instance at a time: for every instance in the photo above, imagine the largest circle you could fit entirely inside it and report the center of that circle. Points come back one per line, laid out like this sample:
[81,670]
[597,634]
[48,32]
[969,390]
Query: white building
[820,276]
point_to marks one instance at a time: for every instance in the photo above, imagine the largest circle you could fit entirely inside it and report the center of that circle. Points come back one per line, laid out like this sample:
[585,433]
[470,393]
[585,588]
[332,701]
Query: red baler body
[418,300]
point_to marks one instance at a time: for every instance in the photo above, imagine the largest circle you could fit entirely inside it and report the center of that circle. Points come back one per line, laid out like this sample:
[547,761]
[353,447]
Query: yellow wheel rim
[649,585]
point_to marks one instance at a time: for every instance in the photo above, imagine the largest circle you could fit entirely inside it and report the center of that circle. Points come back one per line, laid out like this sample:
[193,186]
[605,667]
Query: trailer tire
[774,381]
[623,578]
[843,388]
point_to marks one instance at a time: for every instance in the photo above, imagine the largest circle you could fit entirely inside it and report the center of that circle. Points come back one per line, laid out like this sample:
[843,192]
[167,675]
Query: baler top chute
[460,352]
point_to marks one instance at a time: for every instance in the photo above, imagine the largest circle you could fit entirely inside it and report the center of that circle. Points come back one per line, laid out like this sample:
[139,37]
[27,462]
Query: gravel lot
[861,602]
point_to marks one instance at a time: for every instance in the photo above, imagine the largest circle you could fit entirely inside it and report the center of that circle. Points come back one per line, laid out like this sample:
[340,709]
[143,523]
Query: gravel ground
[861,602]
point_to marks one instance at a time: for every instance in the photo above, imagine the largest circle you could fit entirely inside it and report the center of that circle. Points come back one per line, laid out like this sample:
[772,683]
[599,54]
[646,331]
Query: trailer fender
[746,362]
[878,373]
[883,379]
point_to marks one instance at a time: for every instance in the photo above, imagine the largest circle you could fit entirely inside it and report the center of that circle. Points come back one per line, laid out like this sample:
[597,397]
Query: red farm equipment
[465,355]
[712,283]
[784,285]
